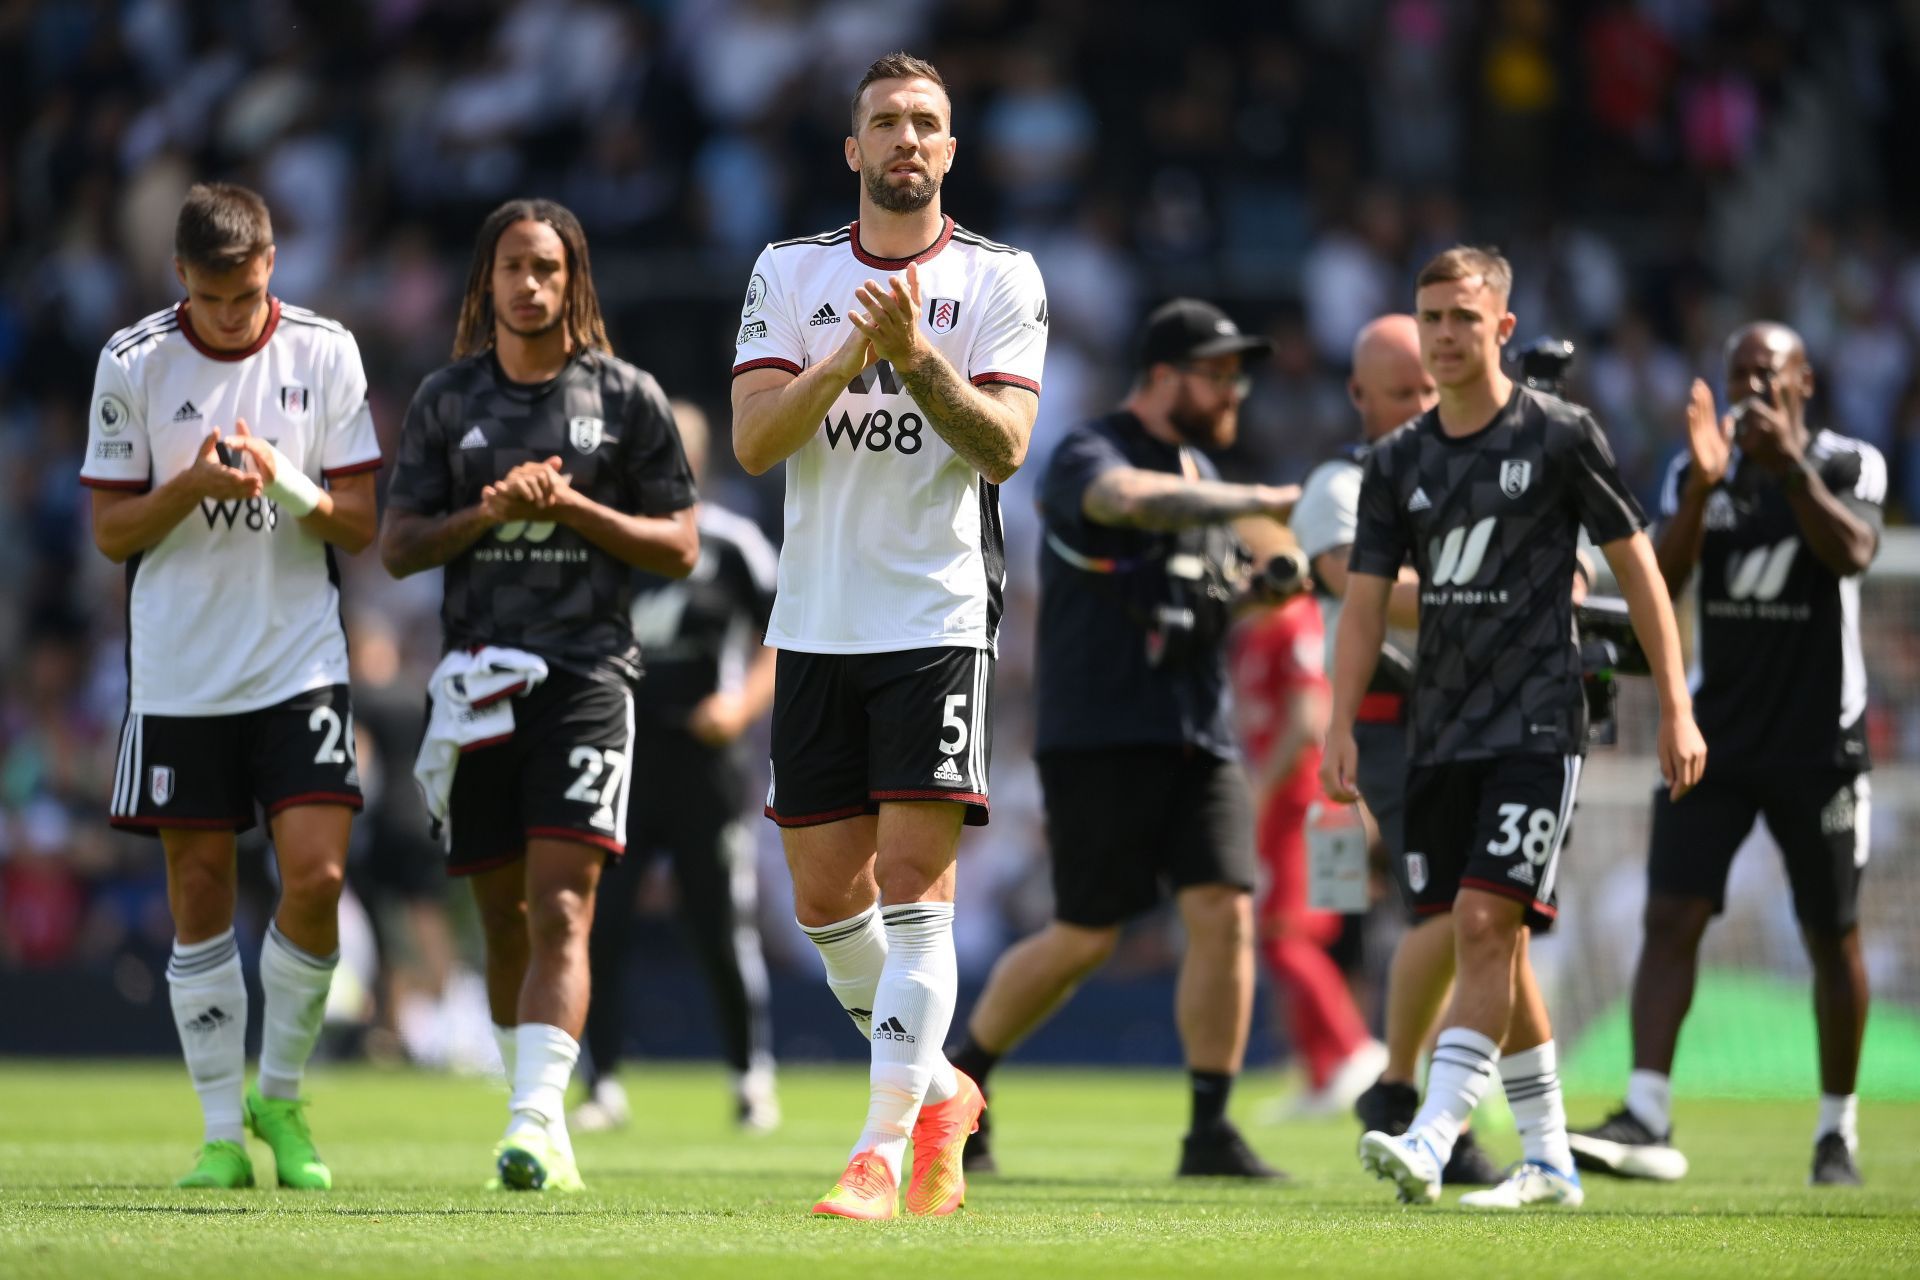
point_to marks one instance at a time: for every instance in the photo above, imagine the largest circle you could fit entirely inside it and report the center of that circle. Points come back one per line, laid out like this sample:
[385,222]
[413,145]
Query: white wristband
[290,487]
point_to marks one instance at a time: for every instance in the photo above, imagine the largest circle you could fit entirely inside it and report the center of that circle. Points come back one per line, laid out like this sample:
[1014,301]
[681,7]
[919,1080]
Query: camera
[1544,363]
[1608,649]
[1282,576]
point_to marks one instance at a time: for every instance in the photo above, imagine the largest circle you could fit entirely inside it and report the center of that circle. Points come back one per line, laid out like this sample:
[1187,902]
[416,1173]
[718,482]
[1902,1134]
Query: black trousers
[687,806]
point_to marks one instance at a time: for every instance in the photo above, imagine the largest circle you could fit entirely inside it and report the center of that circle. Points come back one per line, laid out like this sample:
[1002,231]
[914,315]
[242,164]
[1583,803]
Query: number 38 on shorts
[1496,826]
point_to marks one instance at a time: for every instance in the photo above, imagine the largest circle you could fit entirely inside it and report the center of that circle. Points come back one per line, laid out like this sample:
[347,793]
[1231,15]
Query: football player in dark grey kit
[1486,494]
[1781,520]
[540,470]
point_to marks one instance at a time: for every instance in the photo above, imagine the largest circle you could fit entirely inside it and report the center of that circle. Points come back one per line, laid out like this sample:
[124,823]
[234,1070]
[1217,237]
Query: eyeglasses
[1238,383]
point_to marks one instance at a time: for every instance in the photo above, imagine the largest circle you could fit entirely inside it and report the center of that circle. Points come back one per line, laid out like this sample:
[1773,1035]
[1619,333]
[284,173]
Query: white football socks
[295,984]
[1650,1099]
[1462,1068]
[544,1060]
[505,1039]
[1840,1113]
[1531,1078]
[854,952]
[209,998]
[912,1012]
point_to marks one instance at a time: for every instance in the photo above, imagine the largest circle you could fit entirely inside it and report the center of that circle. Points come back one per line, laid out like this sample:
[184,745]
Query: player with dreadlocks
[540,470]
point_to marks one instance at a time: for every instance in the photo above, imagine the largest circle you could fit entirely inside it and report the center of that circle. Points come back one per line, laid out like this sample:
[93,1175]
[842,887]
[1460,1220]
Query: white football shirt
[237,607]
[892,540]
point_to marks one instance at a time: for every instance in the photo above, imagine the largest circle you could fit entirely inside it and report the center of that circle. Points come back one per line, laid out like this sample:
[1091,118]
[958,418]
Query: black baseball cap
[1189,329]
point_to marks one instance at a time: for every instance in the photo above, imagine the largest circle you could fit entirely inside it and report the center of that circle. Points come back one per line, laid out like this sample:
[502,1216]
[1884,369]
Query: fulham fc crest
[585,434]
[1514,477]
[943,314]
[1416,871]
[294,400]
[160,783]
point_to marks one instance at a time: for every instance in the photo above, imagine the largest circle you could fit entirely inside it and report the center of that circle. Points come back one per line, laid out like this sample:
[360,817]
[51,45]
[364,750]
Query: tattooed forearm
[988,432]
[1161,502]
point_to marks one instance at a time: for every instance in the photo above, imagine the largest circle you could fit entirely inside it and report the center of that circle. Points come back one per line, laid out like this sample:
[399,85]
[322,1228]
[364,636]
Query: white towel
[472,698]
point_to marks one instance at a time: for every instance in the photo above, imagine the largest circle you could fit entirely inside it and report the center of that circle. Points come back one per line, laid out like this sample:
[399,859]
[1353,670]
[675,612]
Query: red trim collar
[266,333]
[900,264]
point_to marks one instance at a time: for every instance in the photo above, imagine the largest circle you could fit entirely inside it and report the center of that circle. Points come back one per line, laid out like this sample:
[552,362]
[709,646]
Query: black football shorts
[854,730]
[565,774]
[1496,825]
[210,772]
[1818,817]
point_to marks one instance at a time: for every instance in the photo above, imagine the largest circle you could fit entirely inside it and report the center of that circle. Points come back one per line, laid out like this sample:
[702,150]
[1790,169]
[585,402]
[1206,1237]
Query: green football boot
[529,1160]
[281,1123]
[223,1165]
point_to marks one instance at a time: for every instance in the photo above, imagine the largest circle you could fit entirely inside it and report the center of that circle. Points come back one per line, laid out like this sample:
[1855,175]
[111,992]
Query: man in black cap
[1139,576]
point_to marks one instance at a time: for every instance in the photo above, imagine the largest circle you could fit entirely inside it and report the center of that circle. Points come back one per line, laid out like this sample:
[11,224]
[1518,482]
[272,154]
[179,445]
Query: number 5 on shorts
[950,719]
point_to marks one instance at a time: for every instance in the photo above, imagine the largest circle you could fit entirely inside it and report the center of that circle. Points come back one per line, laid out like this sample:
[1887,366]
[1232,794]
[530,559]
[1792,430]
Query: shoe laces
[294,1112]
[867,1175]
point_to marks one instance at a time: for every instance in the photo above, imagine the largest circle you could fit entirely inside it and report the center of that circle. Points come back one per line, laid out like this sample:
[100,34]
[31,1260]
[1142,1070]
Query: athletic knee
[1082,949]
[1484,930]
[312,883]
[1832,949]
[1675,925]
[559,918]
[1218,915]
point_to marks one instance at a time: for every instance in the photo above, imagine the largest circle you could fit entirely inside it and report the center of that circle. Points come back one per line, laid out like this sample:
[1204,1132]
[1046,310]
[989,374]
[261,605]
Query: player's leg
[297,962]
[1822,826]
[301,766]
[1529,1072]
[718,891]
[208,994]
[609,947]
[562,877]
[1209,859]
[1103,849]
[485,847]
[183,779]
[913,1089]
[1689,855]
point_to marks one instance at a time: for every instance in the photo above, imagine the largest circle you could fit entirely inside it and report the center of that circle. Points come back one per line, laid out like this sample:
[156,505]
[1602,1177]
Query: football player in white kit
[894,366]
[212,424]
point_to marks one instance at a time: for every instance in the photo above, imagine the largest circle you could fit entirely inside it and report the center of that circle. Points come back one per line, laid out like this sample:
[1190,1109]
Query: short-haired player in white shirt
[211,423]
[894,365]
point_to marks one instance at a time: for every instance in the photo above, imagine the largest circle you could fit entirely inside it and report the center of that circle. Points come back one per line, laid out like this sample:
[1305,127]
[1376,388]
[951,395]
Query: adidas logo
[1523,872]
[947,772]
[892,1030]
[474,439]
[1419,501]
[212,1019]
[825,315]
[186,413]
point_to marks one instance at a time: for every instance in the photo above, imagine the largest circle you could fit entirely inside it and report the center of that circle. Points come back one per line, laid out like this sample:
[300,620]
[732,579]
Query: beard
[912,198]
[1203,430]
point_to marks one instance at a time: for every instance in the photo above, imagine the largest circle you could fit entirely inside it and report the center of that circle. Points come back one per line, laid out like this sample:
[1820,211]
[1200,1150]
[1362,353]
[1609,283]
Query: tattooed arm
[1159,501]
[988,426]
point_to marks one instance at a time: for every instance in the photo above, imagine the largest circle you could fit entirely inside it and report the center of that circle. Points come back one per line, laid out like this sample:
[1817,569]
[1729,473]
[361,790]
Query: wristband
[290,486]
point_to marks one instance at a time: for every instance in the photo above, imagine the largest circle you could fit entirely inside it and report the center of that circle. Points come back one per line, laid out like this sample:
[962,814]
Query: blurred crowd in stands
[1659,170]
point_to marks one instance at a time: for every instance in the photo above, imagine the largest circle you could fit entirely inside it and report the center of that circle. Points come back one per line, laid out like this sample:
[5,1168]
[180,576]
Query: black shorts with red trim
[213,772]
[565,773]
[853,730]
[1496,825]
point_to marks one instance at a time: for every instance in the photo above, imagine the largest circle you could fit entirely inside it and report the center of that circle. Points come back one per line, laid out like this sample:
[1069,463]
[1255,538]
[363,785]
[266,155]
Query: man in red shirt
[1281,697]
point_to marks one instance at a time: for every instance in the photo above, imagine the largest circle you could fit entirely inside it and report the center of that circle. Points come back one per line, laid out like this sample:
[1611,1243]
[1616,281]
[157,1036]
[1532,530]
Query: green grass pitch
[88,1154]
